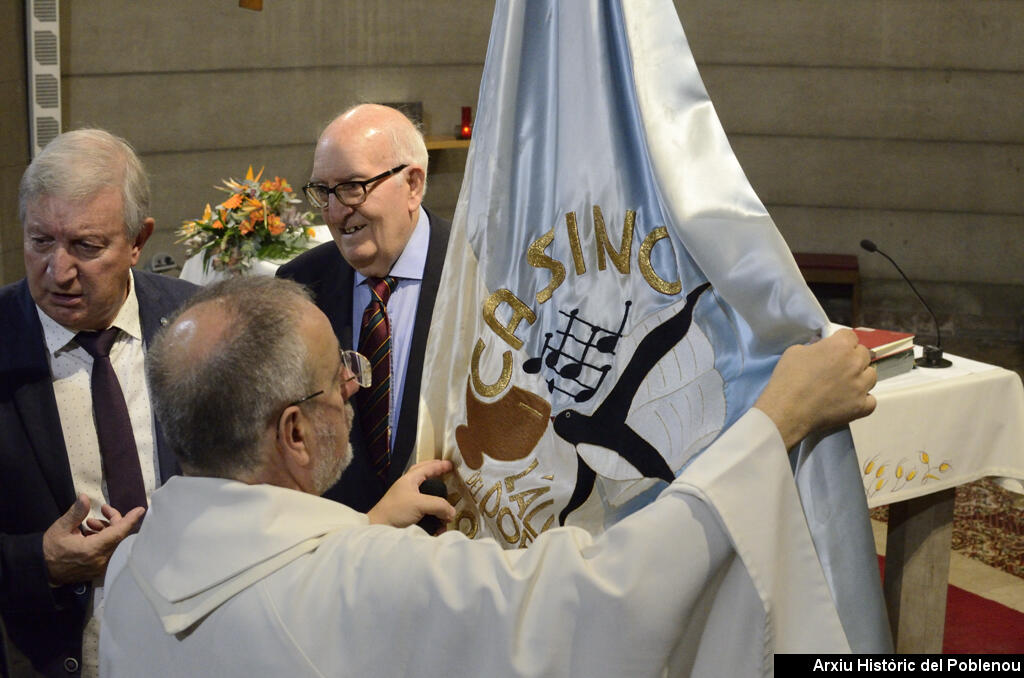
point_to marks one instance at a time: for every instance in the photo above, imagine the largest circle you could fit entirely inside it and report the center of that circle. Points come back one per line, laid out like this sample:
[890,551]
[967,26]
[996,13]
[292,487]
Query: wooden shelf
[438,143]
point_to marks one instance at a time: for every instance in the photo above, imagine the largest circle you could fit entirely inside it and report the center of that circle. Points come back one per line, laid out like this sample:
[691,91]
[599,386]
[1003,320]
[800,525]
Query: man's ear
[294,431]
[416,179]
[140,240]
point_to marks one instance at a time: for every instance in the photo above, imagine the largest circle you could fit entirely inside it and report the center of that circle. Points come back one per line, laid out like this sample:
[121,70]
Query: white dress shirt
[71,369]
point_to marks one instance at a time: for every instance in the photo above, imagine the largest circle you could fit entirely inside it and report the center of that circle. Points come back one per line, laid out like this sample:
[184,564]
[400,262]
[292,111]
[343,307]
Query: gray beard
[328,467]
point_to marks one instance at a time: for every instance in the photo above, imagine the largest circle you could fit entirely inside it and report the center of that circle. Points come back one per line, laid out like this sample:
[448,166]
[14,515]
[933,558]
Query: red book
[884,342]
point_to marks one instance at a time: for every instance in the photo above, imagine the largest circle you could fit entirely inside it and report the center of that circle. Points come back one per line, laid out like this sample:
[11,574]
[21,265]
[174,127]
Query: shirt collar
[413,258]
[127,320]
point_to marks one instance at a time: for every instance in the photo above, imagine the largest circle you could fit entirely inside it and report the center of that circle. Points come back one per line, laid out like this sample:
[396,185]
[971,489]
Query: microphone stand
[932,354]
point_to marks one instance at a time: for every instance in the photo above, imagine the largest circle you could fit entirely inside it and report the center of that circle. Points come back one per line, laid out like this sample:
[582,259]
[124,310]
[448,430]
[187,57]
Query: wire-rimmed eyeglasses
[356,368]
[348,193]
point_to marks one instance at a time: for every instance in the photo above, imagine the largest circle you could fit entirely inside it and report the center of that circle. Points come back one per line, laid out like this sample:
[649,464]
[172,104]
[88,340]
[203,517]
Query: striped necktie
[375,402]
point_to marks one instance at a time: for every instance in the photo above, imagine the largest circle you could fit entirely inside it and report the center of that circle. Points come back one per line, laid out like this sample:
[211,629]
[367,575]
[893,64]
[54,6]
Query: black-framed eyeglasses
[348,193]
[357,367]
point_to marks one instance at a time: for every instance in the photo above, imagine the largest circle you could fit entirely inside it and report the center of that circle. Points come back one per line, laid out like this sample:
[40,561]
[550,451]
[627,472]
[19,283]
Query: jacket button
[70,664]
[81,589]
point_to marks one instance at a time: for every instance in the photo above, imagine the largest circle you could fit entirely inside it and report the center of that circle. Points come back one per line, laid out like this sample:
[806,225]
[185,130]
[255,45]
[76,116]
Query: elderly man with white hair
[377,281]
[80,450]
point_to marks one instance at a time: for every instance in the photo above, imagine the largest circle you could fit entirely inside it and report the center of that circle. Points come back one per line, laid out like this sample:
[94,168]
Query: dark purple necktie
[375,401]
[121,468]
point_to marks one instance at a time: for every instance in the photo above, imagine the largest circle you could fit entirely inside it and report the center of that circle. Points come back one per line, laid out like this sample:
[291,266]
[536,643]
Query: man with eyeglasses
[240,569]
[377,281]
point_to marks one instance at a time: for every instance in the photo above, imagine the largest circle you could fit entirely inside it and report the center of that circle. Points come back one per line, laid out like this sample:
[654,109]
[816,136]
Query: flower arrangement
[259,220]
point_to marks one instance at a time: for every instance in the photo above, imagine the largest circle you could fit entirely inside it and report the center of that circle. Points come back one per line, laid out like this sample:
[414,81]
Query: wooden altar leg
[917,548]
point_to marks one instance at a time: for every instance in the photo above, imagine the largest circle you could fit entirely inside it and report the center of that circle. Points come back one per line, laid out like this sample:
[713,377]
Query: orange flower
[275,225]
[217,225]
[275,185]
[249,176]
[246,227]
[234,201]
[310,232]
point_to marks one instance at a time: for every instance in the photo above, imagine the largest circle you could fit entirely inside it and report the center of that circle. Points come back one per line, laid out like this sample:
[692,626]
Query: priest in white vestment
[240,569]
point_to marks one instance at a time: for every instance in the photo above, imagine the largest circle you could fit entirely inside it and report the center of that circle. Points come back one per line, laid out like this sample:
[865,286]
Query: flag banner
[615,296]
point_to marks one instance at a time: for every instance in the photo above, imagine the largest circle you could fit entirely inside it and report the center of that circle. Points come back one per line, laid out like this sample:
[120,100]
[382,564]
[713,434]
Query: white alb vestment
[227,579]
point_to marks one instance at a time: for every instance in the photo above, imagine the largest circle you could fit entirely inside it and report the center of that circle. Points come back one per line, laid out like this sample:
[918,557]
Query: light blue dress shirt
[401,310]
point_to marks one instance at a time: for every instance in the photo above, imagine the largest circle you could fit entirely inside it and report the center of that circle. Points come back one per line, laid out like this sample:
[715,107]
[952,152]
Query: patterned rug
[988,525]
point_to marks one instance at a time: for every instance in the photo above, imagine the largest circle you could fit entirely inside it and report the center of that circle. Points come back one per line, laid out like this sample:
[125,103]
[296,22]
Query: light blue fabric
[560,129]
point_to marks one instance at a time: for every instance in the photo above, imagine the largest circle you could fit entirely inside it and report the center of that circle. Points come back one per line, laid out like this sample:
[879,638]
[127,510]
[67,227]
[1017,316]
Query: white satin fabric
[593,120]
[226,579]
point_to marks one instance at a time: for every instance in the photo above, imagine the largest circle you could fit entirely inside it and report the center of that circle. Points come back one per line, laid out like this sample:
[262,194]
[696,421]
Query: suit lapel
[402,446]
[154,307]
[34,400]
[335,299]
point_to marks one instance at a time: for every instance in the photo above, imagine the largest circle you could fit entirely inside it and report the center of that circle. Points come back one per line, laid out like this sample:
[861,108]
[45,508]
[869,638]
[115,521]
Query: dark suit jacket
[329,277]
[44,624]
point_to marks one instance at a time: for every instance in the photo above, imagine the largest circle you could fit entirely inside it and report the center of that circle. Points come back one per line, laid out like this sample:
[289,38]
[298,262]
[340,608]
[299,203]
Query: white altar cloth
[935,429]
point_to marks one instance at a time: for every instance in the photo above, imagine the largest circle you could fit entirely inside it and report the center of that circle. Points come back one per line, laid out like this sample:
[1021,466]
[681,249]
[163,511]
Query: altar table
[934,429]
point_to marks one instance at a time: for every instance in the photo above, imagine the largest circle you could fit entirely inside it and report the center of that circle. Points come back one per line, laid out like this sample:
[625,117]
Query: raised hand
[405,505]
[73,556]
[819,386]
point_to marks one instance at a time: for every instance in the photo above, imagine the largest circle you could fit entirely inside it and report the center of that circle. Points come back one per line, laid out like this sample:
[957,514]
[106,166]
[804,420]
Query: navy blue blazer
[329,277]
[45,624]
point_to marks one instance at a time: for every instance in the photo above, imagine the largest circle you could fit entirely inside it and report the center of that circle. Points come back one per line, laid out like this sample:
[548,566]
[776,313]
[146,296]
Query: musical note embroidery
[569,360]
[606,426]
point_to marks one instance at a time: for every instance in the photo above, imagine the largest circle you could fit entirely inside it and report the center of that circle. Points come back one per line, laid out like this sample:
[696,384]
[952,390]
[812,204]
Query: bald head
[222,371]
[198,332]
[364,143]
[372,123]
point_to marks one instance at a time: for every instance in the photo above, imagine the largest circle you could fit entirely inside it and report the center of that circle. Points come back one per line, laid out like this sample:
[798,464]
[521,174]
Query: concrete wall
[204,88]
[896,120]
[14,139]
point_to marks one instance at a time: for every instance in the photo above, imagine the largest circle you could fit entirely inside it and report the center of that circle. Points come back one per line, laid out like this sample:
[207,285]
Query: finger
[846,337]
[869,404]
[112,535]
[431,468]
[872,373]
[834,339]
[95,524]
[864,355]
[110,513]
[437,507]
[435,468]
[74,516]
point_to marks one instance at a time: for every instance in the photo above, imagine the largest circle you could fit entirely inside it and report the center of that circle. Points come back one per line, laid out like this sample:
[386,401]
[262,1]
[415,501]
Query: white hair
[78,165]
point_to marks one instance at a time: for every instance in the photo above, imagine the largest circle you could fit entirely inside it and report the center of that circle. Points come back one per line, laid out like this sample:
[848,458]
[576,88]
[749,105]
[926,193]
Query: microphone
[932,354]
